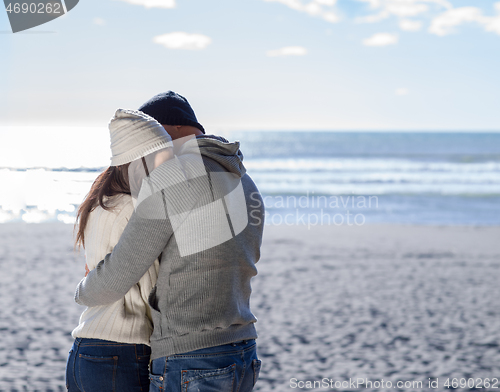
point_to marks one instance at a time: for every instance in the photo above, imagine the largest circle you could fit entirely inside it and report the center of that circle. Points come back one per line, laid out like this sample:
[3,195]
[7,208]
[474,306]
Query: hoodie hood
[219,149]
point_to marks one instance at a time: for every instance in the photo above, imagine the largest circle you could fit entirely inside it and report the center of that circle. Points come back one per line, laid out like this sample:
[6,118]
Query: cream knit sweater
[127,320]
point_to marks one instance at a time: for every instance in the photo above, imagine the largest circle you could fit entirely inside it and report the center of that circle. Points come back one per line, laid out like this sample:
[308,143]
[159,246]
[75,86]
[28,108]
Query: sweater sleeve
[144,238]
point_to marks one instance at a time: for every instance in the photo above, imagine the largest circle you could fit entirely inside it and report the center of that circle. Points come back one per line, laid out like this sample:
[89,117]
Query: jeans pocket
[256,363]
[97,373]
[212,380]
[156,382]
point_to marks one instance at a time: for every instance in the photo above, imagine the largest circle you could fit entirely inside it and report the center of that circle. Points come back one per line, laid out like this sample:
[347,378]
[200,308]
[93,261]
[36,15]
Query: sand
[375,302]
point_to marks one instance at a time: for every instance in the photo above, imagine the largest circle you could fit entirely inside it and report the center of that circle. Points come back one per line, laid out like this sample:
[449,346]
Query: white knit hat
[134,135]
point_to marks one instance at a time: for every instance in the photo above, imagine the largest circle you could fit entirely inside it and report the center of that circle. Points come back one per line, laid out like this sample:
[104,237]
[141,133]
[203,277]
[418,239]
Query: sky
[260,64]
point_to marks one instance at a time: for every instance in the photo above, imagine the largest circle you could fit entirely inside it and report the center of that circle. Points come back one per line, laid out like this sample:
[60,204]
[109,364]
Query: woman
[111,350]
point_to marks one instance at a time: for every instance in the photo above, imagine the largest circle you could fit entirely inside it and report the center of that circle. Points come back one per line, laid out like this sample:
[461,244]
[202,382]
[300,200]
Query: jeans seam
[254,364]
[104,345]
[80,377]
[242,371]
[182,356]
[217,354]
[113,385]
[164,381]
[137,362]
[249,348]
[74,365]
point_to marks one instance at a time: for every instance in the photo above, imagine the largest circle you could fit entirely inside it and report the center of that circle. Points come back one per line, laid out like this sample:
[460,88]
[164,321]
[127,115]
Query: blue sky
[261,64]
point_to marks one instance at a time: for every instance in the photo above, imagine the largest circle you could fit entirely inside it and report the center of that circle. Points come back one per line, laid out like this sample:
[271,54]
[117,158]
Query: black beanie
[171,108]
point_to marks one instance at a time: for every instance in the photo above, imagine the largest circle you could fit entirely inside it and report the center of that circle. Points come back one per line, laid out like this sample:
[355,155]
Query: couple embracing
[172,233]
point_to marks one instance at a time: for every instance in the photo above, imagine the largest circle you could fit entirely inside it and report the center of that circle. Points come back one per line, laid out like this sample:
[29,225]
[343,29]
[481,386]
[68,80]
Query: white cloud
[152,3]
[406,8]
[312,8]
[287,51]
[373,18]
[320,8]
[381,39]
[99,21]
[402,9]
[493,25]
[181,40]
[445,23]
[331,17]
[442,15]
[402,91]
[410,25]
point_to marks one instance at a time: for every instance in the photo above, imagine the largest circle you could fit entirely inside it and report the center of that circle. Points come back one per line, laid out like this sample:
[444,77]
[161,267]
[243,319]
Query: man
[205,216]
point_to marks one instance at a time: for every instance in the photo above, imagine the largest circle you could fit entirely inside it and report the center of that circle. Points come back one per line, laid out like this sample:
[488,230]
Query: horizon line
[225,129]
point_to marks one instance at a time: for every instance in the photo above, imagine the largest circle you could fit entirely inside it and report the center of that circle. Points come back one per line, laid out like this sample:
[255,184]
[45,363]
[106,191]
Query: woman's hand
[86,270]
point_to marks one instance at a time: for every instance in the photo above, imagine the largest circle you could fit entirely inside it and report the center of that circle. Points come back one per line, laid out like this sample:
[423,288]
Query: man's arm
[139,246]
[172,191]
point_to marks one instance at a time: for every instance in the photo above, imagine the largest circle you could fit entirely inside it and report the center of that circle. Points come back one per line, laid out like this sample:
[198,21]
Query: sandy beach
[390,302]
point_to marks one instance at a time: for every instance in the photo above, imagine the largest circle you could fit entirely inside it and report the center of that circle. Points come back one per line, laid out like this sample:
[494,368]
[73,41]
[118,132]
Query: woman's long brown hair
[112,181]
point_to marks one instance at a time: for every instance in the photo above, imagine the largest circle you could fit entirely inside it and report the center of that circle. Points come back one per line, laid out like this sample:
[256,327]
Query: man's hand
[86,270]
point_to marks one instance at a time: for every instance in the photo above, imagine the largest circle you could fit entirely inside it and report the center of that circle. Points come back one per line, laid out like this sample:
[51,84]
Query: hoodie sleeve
[169,196]
[139,246]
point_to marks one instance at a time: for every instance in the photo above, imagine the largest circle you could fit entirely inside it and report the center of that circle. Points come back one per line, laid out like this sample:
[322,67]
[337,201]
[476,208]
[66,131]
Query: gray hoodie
[205,216]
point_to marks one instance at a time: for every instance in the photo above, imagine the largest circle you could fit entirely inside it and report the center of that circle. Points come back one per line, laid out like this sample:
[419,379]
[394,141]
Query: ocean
[314,178]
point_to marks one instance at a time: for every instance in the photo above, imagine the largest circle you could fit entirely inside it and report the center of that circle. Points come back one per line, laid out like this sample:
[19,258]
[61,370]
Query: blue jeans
[228,368]
[96,365]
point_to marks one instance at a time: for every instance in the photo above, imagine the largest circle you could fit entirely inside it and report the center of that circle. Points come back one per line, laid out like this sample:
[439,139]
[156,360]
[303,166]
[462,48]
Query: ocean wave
[380,189]
[367,165]
[46,194]
[310,179]
[325,164]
